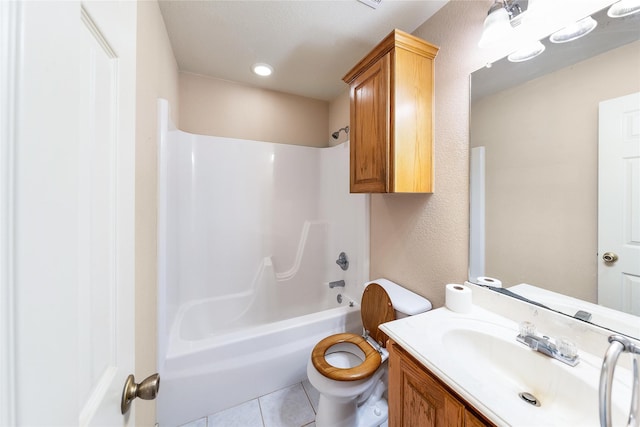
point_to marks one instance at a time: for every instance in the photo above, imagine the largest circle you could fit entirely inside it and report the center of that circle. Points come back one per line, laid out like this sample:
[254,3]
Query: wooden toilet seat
[376,308]
[362,371]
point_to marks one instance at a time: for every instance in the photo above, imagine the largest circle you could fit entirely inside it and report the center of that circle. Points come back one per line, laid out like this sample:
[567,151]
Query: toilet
[350,371]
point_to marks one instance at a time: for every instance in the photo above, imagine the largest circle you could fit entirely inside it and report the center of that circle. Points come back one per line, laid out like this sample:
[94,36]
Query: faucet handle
[527,329]
[567,348]
[562,350]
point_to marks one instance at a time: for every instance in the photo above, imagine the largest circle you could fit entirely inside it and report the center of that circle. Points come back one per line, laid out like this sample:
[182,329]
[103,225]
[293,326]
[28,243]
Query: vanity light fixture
[500,21]
[624,8]
[574,31]
[262,69]
[527,52]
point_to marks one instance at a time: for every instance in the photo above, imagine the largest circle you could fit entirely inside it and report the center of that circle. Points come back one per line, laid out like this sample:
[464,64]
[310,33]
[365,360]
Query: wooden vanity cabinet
[418,398]
[391,117]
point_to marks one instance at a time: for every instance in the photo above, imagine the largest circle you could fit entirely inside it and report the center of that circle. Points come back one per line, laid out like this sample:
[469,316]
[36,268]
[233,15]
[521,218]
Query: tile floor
[294,406]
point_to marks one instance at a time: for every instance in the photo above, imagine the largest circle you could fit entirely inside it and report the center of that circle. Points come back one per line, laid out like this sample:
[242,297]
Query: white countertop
[476,374]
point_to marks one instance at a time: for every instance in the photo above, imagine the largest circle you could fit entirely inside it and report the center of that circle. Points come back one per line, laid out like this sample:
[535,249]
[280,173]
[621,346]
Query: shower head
[336,134]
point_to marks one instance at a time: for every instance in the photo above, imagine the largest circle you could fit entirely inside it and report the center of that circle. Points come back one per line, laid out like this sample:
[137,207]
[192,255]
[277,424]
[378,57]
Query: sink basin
[572,397]
[478,356]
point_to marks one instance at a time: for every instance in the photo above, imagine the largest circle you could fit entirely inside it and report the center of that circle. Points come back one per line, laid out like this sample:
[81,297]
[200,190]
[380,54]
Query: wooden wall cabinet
[418,398]
[391,118]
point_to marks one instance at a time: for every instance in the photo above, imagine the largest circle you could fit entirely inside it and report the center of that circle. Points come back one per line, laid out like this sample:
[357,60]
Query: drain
[529,398]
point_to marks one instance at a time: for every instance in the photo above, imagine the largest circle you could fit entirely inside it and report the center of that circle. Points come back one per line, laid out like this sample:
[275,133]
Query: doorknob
[610,257]
[147,390]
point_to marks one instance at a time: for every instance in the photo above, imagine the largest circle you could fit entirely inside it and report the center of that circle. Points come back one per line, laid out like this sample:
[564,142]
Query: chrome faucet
[338,283]
[562,350]
[619,344]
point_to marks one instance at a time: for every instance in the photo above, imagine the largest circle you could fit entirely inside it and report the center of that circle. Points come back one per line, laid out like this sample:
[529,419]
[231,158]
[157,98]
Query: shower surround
[248,237]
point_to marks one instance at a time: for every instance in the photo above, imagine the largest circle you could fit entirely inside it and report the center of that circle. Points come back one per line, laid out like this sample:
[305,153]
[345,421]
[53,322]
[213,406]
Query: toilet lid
[376,309]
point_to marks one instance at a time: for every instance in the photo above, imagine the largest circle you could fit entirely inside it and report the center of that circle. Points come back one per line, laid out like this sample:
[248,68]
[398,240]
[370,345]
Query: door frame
[9,82]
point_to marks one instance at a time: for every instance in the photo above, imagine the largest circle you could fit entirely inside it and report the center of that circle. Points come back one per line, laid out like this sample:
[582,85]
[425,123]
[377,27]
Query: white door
[619,204]
[67,195]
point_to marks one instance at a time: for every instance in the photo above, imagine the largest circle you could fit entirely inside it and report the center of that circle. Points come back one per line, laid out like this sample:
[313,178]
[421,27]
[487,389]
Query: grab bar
[618,345]
[634,413]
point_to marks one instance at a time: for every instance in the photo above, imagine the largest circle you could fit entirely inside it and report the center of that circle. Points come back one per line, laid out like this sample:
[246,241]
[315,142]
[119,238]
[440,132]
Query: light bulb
[624,8]
[574,31]
[497,27]
[527,52]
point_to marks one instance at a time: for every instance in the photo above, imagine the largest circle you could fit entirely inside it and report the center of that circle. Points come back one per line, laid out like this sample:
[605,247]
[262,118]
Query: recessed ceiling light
[262,69]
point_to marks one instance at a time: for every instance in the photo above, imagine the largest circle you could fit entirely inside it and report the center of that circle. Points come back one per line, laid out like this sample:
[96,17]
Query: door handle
[147,390]
[610,257]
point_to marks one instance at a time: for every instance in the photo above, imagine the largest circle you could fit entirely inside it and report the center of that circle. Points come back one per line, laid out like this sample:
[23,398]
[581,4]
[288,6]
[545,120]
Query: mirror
[534,173]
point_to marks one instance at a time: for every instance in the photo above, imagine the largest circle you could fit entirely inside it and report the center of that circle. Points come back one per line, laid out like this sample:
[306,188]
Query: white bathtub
[214,371]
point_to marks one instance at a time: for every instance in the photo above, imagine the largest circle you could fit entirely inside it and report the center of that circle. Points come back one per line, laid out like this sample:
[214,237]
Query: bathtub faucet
[342,261]
[339,283]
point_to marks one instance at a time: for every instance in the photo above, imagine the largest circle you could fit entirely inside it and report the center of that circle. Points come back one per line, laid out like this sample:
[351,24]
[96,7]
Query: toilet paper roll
[458,298]
[489,281]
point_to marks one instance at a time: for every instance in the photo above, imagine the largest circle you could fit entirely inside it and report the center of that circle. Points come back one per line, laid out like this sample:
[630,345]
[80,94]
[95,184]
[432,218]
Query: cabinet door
[416,399]
[370,129]
[471,420]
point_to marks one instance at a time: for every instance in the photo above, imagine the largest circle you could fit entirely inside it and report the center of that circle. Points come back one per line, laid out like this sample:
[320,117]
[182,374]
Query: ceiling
[310,44]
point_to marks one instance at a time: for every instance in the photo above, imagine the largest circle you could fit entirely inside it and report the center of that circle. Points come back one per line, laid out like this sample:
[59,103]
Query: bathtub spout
[339,283]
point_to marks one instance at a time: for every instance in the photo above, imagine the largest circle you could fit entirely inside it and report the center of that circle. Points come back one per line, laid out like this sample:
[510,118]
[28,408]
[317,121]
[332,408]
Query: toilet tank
[405,302]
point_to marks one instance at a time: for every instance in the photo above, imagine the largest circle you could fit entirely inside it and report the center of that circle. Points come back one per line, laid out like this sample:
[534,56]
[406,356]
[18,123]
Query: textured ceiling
[310,44]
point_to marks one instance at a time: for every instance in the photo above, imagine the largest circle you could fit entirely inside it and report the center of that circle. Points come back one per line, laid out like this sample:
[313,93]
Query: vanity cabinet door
[416,399]
[470,420]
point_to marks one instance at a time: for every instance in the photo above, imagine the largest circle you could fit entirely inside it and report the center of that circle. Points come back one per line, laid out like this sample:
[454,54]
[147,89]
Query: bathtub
[212,370]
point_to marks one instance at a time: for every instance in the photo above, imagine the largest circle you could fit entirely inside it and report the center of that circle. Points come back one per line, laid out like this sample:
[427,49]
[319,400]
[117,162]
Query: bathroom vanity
[418,398]
[473,369]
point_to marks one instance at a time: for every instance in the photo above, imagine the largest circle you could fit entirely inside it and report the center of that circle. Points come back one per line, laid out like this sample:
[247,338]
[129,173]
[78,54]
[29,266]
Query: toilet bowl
[350,371]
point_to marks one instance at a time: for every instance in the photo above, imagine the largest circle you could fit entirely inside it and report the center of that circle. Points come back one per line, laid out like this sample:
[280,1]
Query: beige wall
[157,76]
[212,106]
[339,116]
[542,177]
